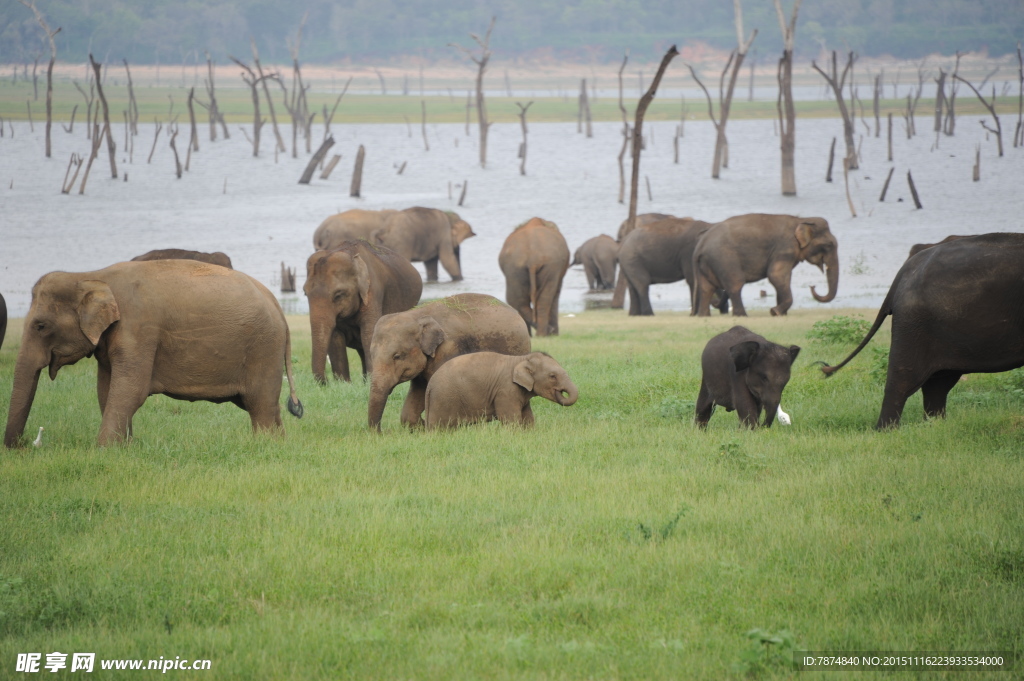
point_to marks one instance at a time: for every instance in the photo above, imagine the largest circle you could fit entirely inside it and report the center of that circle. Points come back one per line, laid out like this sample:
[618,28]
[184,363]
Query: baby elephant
[484,386]
[745,372]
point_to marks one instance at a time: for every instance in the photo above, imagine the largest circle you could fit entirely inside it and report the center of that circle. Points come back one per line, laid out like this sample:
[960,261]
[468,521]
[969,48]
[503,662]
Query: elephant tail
[533,294]
[294,405]
[883,312]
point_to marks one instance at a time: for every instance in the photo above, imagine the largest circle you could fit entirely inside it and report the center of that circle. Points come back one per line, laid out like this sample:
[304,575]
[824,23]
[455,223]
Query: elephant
[745,372]
[598,256]
[181,328]
[487,386]
[661,252]
[426,235]
[349,226]
[917,248]
[747,248]
[955,310]
[349,288]
[216,258]
[641,220]
[534,259]
[412,346]
[3,319]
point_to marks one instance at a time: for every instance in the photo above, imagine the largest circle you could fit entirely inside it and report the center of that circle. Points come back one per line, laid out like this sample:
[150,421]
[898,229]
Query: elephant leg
[747,408]
[592,282]
[779,276]
[431,266]
[126,393]
[103,385]
[509,409]
[450,263]
[902,380]
[264,411]
[705,406]
[721,301]
[606,275]
[517,295]
[337,352]
[362,359]
[639,294]
[526,417]
[936,389]
[702,296]
[415,403]
[547,305]
[736,298]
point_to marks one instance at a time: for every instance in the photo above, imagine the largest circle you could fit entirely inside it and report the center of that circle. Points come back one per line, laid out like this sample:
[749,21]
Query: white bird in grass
[783,417]
[39,438]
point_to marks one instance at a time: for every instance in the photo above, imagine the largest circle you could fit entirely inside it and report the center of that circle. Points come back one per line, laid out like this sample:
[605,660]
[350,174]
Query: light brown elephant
[641,220]
[534,260]
[426,235]
[349,288]
[487,386]
[748,248]
[216,258]
[350,225]
[412,345]
[599,256]
[181,328]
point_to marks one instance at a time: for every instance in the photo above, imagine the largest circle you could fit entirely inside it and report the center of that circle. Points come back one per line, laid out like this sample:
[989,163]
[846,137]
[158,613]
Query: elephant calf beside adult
[599,256]
[426,235]
[349,288]
[534,259]
[181,328]
[748,248]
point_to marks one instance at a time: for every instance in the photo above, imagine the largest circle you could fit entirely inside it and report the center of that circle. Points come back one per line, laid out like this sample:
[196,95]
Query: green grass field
[612,541]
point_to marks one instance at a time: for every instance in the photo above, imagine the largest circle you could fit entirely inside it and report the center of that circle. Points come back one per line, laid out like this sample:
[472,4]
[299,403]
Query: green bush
[839,330]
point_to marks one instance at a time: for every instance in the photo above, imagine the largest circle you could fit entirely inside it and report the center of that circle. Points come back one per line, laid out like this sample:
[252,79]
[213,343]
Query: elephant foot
[776,312]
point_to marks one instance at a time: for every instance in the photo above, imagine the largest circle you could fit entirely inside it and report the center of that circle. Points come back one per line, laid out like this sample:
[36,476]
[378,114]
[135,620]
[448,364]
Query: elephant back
[534,243]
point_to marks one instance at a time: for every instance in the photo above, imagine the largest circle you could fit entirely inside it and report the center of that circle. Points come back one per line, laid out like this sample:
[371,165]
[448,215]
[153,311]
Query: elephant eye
[39,326]
[339,295]
[398,355]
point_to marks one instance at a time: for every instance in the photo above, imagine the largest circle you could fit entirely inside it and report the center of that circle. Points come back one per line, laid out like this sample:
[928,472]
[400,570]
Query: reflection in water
[597,300]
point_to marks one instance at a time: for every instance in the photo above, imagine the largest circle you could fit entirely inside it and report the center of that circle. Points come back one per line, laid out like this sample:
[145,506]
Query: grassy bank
[612,541]
[164,103]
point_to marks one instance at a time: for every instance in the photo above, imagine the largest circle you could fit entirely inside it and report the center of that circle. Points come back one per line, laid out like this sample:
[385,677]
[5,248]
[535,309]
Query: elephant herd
[184,324]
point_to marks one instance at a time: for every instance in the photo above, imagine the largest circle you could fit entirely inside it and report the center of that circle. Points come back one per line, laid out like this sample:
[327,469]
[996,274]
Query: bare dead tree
[940,98]
[913,191]
[950,123]
[584,113]
[75,161]
[177,162]
[49,68]
[976,175]
[326,173]
[330,117]
[156,136]
[876,95]
[784,105]
[912,104]
[846,182]
[298,106]
[67,128]
[991,106]
[193,142]
[890,136]
[423,124]
[380,76]
[831,160]
[212,108]
[625,136]
[97,140]
[89,98]
[835,81]
[736,58]
[885,187]
[481,63]
[133,106]
[357,173]
[522,147]
[253,81]
[307,174]
[262,80]
[1018,133]
[111,147]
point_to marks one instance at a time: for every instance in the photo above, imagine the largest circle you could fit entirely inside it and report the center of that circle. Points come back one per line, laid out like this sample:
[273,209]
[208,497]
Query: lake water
[254,210]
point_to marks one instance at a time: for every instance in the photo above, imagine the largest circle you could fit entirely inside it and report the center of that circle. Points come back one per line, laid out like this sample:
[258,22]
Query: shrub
[839,330]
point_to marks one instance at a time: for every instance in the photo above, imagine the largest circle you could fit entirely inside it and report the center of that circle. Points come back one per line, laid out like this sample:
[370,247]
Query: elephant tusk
[783,417]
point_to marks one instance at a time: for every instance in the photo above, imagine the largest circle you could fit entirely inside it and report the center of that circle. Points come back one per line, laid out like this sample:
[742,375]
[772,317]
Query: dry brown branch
[784,104]
[836,81]
[522,147]
[111,147]
[481,62]
[156,136]
[998,131]
[49,69]
[357,174]
[307,174]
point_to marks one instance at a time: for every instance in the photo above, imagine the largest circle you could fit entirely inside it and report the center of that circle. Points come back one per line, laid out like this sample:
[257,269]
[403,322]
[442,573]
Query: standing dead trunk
[111,147]
[481,62]
[890,136]
[49,69]
[836,81]
[522,147]
[307,174]
[940,99]
[133,106]
[913,191]
[194,135]
[423,124]
[998,130]
[619,296]
[357,173]
[876,95]
[215,115]
[252,80]
[174,148]
[885,187]
[784,105]
[831,160]
[1018,133]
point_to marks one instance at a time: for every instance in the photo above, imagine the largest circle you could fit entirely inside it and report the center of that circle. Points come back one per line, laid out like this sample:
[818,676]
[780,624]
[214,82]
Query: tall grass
[613,540]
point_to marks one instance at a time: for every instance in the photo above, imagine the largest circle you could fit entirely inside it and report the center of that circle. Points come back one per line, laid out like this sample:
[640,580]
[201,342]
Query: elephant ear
[97,309]
[743,354]
[794,350]
[362,277]
[431,336]
[522,374]
[803,233]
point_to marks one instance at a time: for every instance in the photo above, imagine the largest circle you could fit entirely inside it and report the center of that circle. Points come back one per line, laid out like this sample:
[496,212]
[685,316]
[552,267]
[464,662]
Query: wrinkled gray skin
[426,235]
[412,345]
[661,252]
[3,319]
[349,288]
[351,225]
[534,260]
[746,373]
[181,328]
[216,258]
[641,220]
[748,248]
[917,248]
[487,386]
[956,309]
[599,257]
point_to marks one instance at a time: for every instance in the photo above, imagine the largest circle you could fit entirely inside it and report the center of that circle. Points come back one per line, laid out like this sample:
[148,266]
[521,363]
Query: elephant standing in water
[426,235]
[748,248]
[351,225]
[661,252]
[349,288]
[534,259]
[956,309]
[185,329]
[412,345]
[216,258]
[598,257]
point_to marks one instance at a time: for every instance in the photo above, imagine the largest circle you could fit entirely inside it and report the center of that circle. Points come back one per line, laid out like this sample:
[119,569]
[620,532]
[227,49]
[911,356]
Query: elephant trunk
[379,393]
[832,272]
[568,395]
[321,328]
[26,379]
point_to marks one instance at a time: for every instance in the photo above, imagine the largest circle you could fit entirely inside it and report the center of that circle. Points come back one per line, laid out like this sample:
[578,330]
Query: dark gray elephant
[487,386]
[349,288]
[534,259]
[956,309]
[186,329]
[350,225]
[661,252]
[641,220]
[599,256]
[917,248]
[426,235]
[748,248]
[216,258]
[412,345]
[745,372]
